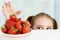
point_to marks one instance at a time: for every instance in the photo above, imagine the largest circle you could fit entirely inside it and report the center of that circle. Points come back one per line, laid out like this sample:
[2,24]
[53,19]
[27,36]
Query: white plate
[15,36]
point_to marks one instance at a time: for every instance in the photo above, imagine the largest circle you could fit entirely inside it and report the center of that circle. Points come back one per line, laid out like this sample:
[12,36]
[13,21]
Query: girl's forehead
[44,18]
[43,21]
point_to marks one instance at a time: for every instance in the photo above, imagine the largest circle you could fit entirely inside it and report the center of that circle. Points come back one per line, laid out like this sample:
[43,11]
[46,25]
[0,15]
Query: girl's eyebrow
[50,26]
[39,25]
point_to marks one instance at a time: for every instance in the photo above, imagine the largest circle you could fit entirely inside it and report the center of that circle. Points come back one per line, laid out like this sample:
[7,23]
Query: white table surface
[37,35]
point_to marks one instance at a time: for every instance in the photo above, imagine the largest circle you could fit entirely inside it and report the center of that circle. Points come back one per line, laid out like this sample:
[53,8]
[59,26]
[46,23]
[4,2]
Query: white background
[57,11]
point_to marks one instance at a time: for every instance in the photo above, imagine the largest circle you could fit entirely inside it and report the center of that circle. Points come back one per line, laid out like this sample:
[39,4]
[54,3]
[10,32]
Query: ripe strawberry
[23,22]
[18,25]
[9,24]
[25,29]
[13,17]
[13,30]
[27,23]
[18,33]
[4,29]
[18,20]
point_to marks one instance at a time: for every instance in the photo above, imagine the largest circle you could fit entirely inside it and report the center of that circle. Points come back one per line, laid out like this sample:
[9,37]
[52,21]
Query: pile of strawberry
[15,25]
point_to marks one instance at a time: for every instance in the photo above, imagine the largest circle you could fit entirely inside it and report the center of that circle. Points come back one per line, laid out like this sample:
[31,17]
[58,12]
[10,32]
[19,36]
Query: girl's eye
[38,27]
[48,28]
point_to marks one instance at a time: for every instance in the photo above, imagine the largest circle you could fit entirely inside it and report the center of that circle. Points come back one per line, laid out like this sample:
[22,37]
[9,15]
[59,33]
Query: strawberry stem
[3,27]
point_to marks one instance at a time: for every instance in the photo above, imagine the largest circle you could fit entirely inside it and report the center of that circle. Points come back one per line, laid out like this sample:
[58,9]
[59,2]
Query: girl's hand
[8,9]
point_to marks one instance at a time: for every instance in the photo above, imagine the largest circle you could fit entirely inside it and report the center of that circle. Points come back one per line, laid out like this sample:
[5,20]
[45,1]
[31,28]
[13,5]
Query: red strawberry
[4,29]
[18,20]
[9,24]
[27,23]
[25,28]
[18,25]
[22,22]
[13,17]
[18,33]
[13,30]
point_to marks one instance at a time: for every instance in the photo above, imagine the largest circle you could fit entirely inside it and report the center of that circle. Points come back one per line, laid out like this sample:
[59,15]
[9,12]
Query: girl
[43,21]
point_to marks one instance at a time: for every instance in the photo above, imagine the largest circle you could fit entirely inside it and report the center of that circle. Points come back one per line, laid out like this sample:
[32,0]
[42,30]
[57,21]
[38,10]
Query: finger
[3,10]
[6,4]
[9,4]
[3,7]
